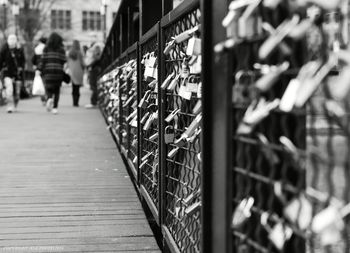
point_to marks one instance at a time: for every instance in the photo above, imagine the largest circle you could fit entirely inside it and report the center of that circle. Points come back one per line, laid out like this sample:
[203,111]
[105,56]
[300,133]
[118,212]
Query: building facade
[79,19]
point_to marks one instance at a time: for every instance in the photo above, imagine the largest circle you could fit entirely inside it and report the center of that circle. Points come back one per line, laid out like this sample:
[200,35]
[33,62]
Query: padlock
[197,108]
[311,84]
[242,212]
[134,161]
[143,164]
[167,81]
[155,74]
[173,152]
[171,116]
[271,43]
[186,34]
[192,127]
[144,59]
[131,116]
[248,23]
[192,84]
[153,137]
[169,134]
[196,133]
[194,46]
[326,218]
[134,122]
[269,79]
[153,84]
[299,212]
[173,83]
[128,101]
[149,72]
[193,208]
[134,142]
[152,60]
[196,67]
[192,196]
[146,156]
[290,95]
[144,101]
[184,93]
[149,122]
[168,47]
[280,234]
[338,114]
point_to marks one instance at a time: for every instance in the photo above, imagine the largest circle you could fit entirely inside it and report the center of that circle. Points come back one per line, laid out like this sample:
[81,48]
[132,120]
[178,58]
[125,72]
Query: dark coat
[51,66]
[12,61]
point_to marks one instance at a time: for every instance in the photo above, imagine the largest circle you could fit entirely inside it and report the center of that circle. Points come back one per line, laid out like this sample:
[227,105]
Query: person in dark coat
[52,70]
[12,62]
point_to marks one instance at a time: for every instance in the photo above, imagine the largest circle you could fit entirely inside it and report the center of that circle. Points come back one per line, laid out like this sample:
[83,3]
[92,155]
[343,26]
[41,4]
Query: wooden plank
[63,186]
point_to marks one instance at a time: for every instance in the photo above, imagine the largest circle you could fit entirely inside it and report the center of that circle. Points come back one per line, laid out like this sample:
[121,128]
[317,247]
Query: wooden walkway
[63,185]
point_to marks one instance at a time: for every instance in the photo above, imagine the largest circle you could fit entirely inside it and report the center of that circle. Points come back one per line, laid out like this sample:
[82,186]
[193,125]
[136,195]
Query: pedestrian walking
[38,52]
[12,62]
[76,70]
[51,67]
[92,62]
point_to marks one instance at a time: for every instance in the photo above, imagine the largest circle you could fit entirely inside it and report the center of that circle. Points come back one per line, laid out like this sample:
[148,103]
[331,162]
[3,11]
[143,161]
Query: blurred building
[77,19]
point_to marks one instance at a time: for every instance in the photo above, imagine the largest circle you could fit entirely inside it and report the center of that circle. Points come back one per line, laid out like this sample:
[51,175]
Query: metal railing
[229,159]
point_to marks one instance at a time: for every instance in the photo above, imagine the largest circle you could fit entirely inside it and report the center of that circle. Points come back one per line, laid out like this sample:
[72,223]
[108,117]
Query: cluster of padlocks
[289,66]
[280,88]
[156,119]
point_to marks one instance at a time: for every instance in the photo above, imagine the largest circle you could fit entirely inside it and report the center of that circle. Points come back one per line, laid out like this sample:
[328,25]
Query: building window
[61,19]
[92,21]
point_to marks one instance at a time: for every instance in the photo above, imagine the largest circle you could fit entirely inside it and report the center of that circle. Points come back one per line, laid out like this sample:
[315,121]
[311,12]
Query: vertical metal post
[217,127]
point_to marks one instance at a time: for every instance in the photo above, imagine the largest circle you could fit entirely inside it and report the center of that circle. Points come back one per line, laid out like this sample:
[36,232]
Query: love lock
[249,24]
[194,47]
[173,152]
[299,212]
[242,212]
[171,116]
[184,92]
[169,134]
[144,101]
[153,137]
[173,83]
[283,30]
[144,118]
[197,108]
[329,225]
[167,81]
[196,66]
[269,79]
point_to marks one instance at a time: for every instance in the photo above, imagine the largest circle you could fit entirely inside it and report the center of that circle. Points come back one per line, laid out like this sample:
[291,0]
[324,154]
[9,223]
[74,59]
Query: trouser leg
[8,83]
[93,98]
[56,93]
[16,91]
[75,94]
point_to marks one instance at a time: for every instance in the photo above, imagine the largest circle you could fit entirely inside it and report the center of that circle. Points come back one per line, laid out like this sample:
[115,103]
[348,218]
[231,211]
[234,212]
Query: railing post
[217,127]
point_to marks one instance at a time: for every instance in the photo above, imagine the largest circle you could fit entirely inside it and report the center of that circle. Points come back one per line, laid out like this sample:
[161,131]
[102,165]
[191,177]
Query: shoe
[9,109]
[54,111]
[49,104]
[90,106]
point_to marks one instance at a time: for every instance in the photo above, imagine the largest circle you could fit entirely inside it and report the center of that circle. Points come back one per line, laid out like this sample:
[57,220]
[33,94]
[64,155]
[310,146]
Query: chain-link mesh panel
[108,92]
[268,179]
[124,96]
[290,185]
[182,166]
[132,138]
[149,131]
